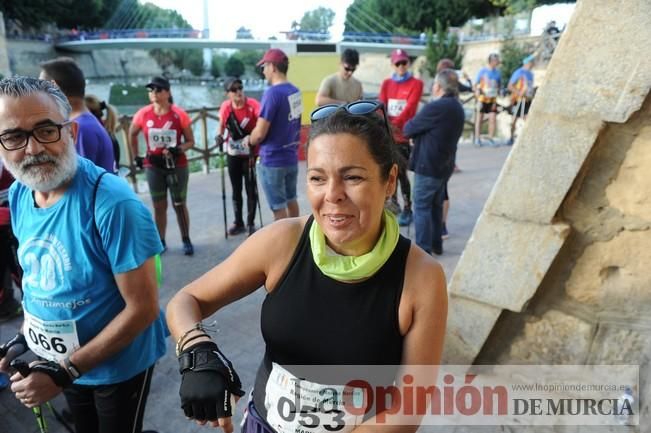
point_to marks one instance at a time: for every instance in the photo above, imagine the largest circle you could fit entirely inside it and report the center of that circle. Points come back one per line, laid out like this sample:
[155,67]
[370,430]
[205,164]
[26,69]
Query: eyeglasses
[357,108]
[401,63]
[350,68]
[235,89]
[155,89]
[45,134]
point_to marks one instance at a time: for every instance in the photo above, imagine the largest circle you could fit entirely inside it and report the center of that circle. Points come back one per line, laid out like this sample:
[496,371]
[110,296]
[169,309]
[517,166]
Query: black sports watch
[72,369]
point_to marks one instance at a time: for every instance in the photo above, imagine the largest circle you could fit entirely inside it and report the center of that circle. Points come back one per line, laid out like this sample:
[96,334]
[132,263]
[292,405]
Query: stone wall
[4,57]
[25,57]
[557,268]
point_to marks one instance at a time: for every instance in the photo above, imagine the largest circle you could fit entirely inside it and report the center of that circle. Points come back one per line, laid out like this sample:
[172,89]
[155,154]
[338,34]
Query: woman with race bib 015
[344,289]
[168,134]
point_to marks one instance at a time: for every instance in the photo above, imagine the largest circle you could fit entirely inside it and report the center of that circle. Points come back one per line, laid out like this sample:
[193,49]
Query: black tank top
[312,319]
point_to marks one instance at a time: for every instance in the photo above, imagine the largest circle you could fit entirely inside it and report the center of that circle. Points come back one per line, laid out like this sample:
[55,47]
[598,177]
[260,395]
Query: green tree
[318,20]
[441,45]
[192,60]
[357,17]
[515,6]
[215,67]
[32,14]
[234,67]
[512,53]
[249,57]
[414,16]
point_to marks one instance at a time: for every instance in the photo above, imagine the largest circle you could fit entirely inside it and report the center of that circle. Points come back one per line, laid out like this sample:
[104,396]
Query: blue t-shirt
[522,79]
[282,106]
[93,142]
[489,81]
[68,280]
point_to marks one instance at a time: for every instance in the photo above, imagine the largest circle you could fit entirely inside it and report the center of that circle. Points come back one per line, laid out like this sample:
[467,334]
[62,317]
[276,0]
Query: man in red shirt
[401,94]
[238,116]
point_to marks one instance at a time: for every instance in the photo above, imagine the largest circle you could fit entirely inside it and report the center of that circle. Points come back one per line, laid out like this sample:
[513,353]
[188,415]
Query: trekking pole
[221,164]
[254,181]
[23,368]
[172,181]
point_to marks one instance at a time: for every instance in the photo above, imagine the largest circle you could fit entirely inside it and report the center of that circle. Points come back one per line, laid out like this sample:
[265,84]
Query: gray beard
[45,180]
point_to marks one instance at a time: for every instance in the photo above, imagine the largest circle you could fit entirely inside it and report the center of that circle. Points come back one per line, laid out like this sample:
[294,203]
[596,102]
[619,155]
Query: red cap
[398,55]
[273,55]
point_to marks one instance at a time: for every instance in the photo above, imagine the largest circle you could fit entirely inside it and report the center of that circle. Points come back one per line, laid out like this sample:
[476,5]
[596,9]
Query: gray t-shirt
[333,86]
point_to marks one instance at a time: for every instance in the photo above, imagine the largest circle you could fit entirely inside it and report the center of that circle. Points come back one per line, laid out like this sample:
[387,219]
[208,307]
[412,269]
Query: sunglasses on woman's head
[357,108]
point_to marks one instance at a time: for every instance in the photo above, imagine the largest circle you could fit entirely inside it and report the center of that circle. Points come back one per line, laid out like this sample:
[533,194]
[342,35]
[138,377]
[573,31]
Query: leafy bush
[442,45]
[512,54]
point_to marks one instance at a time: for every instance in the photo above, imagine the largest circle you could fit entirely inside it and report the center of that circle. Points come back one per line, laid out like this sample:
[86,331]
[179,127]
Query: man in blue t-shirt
[487,87]
[522,91]
[278,134]
[93,141]
[87,249]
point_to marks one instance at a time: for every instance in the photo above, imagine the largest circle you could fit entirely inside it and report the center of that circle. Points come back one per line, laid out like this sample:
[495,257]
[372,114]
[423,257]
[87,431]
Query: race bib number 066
[53,340]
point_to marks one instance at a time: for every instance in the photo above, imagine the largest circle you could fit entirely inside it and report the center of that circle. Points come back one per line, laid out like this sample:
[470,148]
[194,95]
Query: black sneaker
[251,229]
[188,249]
[236,229]
[10,310]
[162,241]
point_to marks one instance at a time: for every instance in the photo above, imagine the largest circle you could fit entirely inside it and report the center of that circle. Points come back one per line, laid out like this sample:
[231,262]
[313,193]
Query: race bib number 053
[53,340]
[299,406]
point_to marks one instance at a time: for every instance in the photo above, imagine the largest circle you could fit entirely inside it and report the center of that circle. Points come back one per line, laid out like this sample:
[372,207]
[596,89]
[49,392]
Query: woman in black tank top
[347,297]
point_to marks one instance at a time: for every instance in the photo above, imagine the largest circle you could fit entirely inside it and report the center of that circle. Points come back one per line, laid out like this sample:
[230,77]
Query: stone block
[577,84]
[468,326]
[621,344]
[634,171]
[553,338]
[542,167]
[613,276]
[505,261]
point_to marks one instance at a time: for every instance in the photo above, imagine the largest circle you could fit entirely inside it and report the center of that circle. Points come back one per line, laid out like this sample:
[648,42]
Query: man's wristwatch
[71,369]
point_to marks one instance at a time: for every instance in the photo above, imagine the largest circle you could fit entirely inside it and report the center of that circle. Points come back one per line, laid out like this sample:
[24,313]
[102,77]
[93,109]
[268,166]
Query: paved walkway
[238,324]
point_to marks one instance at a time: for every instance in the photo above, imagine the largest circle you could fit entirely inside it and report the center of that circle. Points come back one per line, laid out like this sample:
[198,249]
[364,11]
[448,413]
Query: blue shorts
[279,184]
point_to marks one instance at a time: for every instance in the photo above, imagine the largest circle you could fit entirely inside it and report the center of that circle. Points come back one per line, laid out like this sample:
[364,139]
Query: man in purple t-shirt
[278,134]
[92,141]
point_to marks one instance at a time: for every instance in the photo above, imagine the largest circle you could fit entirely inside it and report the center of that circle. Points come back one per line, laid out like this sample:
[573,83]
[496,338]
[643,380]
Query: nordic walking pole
[220,143]
[172,181]
[254,181]
[23,368]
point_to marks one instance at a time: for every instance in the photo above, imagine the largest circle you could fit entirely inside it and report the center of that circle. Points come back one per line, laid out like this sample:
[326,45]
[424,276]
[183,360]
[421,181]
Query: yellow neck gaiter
[350,268]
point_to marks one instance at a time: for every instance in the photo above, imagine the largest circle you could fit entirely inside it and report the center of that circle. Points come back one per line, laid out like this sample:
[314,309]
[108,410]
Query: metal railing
[204,147]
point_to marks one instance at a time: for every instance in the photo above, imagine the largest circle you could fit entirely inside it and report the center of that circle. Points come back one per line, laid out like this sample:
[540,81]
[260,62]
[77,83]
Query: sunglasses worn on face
[235,89]
[357,108]
[401,63]
[155,89]
[350,68]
